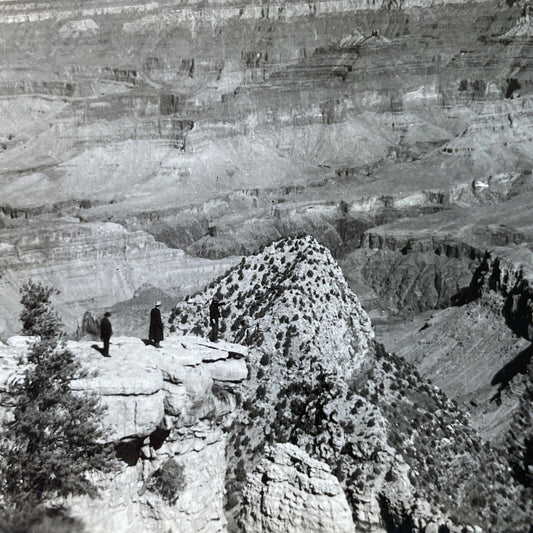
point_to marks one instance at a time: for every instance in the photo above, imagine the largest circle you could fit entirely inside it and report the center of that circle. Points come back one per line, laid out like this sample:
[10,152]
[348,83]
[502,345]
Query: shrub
[240,471]
[38,316]
[168,481]
[390,476]
[261,392]
[198,330]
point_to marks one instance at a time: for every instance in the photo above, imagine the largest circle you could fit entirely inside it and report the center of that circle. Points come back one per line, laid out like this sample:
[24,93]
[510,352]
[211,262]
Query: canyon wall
[220,128]
[93,265]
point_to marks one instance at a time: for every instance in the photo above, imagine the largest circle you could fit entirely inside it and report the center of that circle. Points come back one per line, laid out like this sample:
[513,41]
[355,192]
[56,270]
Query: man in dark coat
[156,326]
[214,316]
[105,333]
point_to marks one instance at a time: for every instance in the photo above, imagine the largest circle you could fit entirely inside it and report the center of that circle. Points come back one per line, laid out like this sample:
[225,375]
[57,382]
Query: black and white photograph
[266,266]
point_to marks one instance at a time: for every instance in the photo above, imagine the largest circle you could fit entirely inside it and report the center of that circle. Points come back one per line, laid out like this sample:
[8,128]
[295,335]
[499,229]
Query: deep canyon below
[355,179]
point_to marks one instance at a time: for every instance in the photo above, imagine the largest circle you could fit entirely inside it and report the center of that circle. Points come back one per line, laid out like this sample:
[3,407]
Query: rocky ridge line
[392,439]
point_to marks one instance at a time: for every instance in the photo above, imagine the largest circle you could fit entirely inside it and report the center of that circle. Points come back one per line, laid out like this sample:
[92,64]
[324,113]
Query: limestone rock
[21,341]
[432,527]
[160,404]
[291,492]
[232,371]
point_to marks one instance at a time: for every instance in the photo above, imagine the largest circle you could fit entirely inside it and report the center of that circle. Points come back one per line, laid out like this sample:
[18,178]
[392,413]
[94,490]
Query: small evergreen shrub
[168,481]
[261,392]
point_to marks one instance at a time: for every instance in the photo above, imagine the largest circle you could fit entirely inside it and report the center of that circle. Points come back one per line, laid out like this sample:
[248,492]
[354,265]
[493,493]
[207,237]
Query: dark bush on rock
[168,481]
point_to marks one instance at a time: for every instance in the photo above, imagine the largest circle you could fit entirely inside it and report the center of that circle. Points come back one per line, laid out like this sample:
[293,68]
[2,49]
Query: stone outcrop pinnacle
[292,290]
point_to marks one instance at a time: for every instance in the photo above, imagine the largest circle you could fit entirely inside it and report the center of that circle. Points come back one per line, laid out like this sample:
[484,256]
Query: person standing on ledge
[214,315]
[156,326]
[105,333]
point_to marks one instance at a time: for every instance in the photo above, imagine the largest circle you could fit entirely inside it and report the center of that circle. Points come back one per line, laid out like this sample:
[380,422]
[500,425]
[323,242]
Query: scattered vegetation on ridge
[318,380]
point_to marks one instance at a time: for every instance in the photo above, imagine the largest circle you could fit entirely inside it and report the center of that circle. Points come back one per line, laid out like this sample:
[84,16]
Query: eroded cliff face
[163,404]
[477,349]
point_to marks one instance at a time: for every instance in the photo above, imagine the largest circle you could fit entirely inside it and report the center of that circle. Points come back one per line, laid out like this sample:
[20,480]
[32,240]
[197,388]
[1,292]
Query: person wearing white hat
[156,334]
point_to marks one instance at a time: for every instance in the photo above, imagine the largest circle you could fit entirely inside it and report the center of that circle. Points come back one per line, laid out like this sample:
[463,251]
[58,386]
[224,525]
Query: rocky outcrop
[291,492]
[480,370]
[509,273]
[405,455]
[163,404]
[293,288]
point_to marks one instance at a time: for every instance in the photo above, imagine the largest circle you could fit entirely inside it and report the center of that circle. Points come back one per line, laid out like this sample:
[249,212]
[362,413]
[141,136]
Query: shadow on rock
[148,342]
[517,366]
[42,520]
[99,349]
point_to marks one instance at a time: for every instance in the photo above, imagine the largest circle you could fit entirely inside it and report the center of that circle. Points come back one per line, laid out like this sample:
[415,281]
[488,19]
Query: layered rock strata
[92,265]
[118,92]
[163,404]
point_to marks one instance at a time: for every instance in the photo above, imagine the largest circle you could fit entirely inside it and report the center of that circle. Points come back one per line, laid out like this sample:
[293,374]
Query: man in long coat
[156,326]
[105,333]
[214,316]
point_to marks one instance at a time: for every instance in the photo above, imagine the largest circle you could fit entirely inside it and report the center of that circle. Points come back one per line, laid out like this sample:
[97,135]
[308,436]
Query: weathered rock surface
[405,455]
[294,285]
[291,492]
[161,404]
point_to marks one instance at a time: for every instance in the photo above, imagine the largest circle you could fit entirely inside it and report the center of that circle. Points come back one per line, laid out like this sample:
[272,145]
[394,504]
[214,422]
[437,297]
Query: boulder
[21,341]
[291,492]
[233,370]
[432,527]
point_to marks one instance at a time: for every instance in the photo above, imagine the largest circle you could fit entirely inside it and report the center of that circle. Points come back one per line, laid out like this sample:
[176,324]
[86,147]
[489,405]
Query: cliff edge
[168,404]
